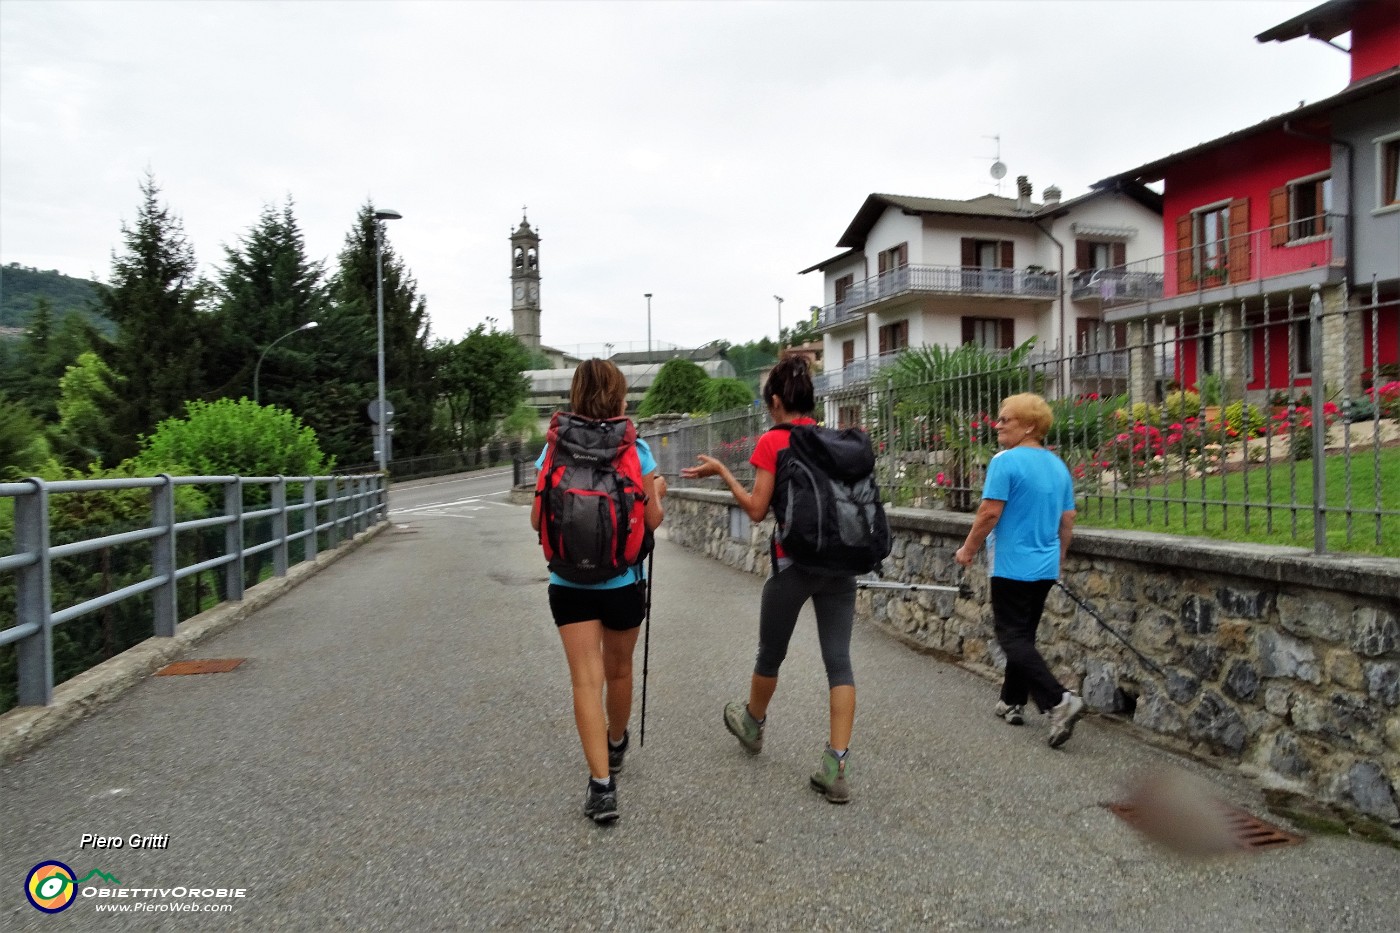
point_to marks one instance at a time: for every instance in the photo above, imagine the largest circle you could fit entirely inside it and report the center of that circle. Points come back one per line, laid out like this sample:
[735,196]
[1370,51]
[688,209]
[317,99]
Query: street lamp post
[648,296]
[258,368]
[381,424]
[780,321]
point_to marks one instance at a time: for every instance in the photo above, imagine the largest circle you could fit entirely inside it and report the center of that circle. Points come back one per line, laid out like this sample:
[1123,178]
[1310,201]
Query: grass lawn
[1268,506]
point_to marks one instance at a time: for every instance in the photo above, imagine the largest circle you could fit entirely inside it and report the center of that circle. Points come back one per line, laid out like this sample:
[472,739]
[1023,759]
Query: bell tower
[525,283]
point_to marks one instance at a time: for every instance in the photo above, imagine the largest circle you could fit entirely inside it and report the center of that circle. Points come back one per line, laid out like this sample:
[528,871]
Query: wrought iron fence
[202,538]
[1271,419]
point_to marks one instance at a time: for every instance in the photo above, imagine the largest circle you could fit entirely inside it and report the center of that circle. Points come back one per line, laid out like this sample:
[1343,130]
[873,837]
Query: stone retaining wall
[1282,663]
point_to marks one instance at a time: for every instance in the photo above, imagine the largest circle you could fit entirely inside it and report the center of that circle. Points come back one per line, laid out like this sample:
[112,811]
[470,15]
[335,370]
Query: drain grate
[200,666]
[1247,832]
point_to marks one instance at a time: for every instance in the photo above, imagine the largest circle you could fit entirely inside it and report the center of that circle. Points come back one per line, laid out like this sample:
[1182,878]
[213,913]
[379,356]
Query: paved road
[397,753]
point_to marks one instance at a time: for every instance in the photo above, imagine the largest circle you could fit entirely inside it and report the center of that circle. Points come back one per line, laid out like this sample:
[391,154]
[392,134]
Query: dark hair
[790,382]
[599,390]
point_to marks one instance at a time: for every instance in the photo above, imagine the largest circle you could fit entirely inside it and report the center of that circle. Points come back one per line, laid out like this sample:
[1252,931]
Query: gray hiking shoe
[617,752]
[600,806]
[1013,714]
[830,777]
[746,729]
[1063,717]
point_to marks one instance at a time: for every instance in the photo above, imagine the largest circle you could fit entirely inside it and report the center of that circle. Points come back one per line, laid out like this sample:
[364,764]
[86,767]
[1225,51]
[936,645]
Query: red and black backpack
[592,504]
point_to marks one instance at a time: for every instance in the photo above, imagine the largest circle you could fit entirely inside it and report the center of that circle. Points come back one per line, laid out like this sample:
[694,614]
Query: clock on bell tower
[525,283]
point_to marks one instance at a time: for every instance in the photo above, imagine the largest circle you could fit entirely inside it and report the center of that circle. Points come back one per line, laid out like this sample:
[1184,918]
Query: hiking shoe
[600,806]
[1013,714]
[1063,717]
[830,777]
[746,729]
[615,753]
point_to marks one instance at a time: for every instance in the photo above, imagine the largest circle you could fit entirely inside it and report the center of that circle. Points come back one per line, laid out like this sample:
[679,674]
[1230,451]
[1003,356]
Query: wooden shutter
[1184,225]
[969,254]
[884,340]
[1239,240]
[968,327]
[1083,254]
[901,335]
[1008,254]
[1007,333]
[903,254]
[848,353]
[884,261]
[1278,216]
[1120,254]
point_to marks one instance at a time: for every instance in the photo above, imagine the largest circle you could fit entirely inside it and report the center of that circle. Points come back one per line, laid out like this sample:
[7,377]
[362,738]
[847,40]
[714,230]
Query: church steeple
[525,283]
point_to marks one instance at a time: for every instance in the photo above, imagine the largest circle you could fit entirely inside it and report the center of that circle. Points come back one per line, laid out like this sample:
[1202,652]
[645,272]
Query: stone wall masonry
[1282,663]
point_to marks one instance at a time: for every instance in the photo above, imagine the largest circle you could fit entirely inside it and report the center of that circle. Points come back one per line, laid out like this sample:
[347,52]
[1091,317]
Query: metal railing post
[165,598]
[34,598]
[233,537]
[333,511]
[279,525]
[308,498]
[1319,424]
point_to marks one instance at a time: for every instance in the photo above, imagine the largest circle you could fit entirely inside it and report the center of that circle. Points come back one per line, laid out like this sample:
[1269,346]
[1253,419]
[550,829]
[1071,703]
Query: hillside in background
[21,286]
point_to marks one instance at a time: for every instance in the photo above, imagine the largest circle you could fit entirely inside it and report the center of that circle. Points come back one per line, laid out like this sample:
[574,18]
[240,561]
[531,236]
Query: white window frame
[1294,220]
[1380,143]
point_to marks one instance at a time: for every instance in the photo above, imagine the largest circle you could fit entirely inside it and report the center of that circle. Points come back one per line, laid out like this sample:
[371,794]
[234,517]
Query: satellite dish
[998,170]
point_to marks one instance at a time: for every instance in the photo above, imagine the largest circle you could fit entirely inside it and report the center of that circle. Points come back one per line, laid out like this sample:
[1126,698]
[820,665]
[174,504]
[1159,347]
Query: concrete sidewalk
[398,753]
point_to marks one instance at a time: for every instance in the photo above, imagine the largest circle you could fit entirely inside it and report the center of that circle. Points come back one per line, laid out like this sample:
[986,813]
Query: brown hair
[599,390]
[791,383]
[1032,411]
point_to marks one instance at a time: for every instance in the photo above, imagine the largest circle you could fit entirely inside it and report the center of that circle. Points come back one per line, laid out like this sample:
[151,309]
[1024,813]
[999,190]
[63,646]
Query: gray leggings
[833,598]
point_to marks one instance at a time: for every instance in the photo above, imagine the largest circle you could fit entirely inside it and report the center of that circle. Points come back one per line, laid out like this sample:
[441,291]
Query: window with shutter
[848,353]
[1307,203]
[1185,249]
[1008,254]
[1388,156]
[990,333]
[843,285]
[1278,216]
[1239,259]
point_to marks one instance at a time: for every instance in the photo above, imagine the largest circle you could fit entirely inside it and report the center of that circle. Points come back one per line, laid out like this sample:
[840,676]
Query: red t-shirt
[765,454]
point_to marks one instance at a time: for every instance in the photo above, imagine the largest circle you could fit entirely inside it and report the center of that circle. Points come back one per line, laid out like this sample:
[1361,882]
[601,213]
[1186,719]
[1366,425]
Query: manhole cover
[200,666]
[1217,829]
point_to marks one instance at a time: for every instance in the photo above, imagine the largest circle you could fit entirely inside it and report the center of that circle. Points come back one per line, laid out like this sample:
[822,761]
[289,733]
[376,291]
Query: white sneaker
[1063,717]
[1012,714]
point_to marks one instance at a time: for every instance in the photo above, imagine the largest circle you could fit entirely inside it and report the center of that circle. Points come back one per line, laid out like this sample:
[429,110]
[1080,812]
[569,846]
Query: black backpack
[827,503]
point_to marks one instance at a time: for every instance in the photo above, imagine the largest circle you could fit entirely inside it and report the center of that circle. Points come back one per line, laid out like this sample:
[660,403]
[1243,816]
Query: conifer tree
[154,300]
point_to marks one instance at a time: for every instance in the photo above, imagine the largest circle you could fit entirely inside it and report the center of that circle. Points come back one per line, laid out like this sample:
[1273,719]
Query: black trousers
[1017,606]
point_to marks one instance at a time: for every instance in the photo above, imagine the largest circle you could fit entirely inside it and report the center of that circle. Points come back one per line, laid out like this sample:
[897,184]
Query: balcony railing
[1266,253]
[949,280]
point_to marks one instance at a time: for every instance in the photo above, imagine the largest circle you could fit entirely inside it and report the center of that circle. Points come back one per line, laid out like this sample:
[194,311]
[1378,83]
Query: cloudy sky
[701,151]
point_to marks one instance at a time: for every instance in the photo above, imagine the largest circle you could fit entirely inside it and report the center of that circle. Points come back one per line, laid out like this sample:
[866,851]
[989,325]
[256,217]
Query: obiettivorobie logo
[52,887]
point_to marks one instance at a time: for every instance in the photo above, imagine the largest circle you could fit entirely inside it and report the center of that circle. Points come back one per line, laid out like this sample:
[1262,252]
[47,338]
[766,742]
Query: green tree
[233,436]
[480,383]
[752,360]
[23,450]
[267,288]
[34,365]
[86,393]
[347,379]
[726,394]
[155,302]
[679,387]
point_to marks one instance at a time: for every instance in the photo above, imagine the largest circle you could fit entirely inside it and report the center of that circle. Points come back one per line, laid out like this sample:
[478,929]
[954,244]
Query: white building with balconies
[990,270]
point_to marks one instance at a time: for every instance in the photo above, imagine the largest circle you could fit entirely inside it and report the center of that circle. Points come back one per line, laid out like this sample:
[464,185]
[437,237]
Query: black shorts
[620,608]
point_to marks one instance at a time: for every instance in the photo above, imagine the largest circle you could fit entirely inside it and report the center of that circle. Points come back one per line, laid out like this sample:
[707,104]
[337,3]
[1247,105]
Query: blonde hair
[1032,411]
[599,390]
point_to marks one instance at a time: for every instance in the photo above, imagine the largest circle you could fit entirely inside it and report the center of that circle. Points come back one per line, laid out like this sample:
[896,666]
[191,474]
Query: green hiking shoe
[830,777]
[746,729]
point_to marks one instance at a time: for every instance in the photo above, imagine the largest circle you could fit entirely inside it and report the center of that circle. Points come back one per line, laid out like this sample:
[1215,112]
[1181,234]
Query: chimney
[1023,193]
[1052,196]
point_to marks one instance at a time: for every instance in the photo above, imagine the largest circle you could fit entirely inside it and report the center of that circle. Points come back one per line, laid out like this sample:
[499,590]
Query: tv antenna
[998,170]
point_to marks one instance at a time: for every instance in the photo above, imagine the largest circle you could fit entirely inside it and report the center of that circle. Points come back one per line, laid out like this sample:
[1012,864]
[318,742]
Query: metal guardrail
[349,505]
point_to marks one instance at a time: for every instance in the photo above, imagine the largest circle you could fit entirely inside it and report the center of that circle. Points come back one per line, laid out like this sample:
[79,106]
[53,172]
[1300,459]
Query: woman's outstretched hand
[709,466]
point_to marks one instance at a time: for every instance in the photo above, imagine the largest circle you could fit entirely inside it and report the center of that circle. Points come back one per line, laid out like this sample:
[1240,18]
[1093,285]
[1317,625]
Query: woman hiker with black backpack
[789,395]
[598,598]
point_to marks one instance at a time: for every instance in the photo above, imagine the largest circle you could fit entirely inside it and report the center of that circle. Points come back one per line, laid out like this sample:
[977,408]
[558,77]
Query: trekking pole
[646,645]
[962,589]
[1099,619]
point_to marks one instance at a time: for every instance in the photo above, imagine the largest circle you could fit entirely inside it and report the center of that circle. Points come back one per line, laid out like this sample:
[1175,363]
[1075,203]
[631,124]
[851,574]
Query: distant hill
[21,286]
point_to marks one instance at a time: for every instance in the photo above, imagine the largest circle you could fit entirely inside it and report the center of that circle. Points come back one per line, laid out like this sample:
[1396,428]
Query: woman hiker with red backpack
[598,609]
[789,395]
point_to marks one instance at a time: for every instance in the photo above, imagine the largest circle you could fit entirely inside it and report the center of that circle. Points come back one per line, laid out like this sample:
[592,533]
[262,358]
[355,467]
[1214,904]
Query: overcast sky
[704,152]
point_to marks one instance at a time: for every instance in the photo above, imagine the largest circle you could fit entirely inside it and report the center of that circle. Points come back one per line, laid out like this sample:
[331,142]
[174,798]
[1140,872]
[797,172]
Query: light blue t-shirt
[1035,485]
[626,578]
